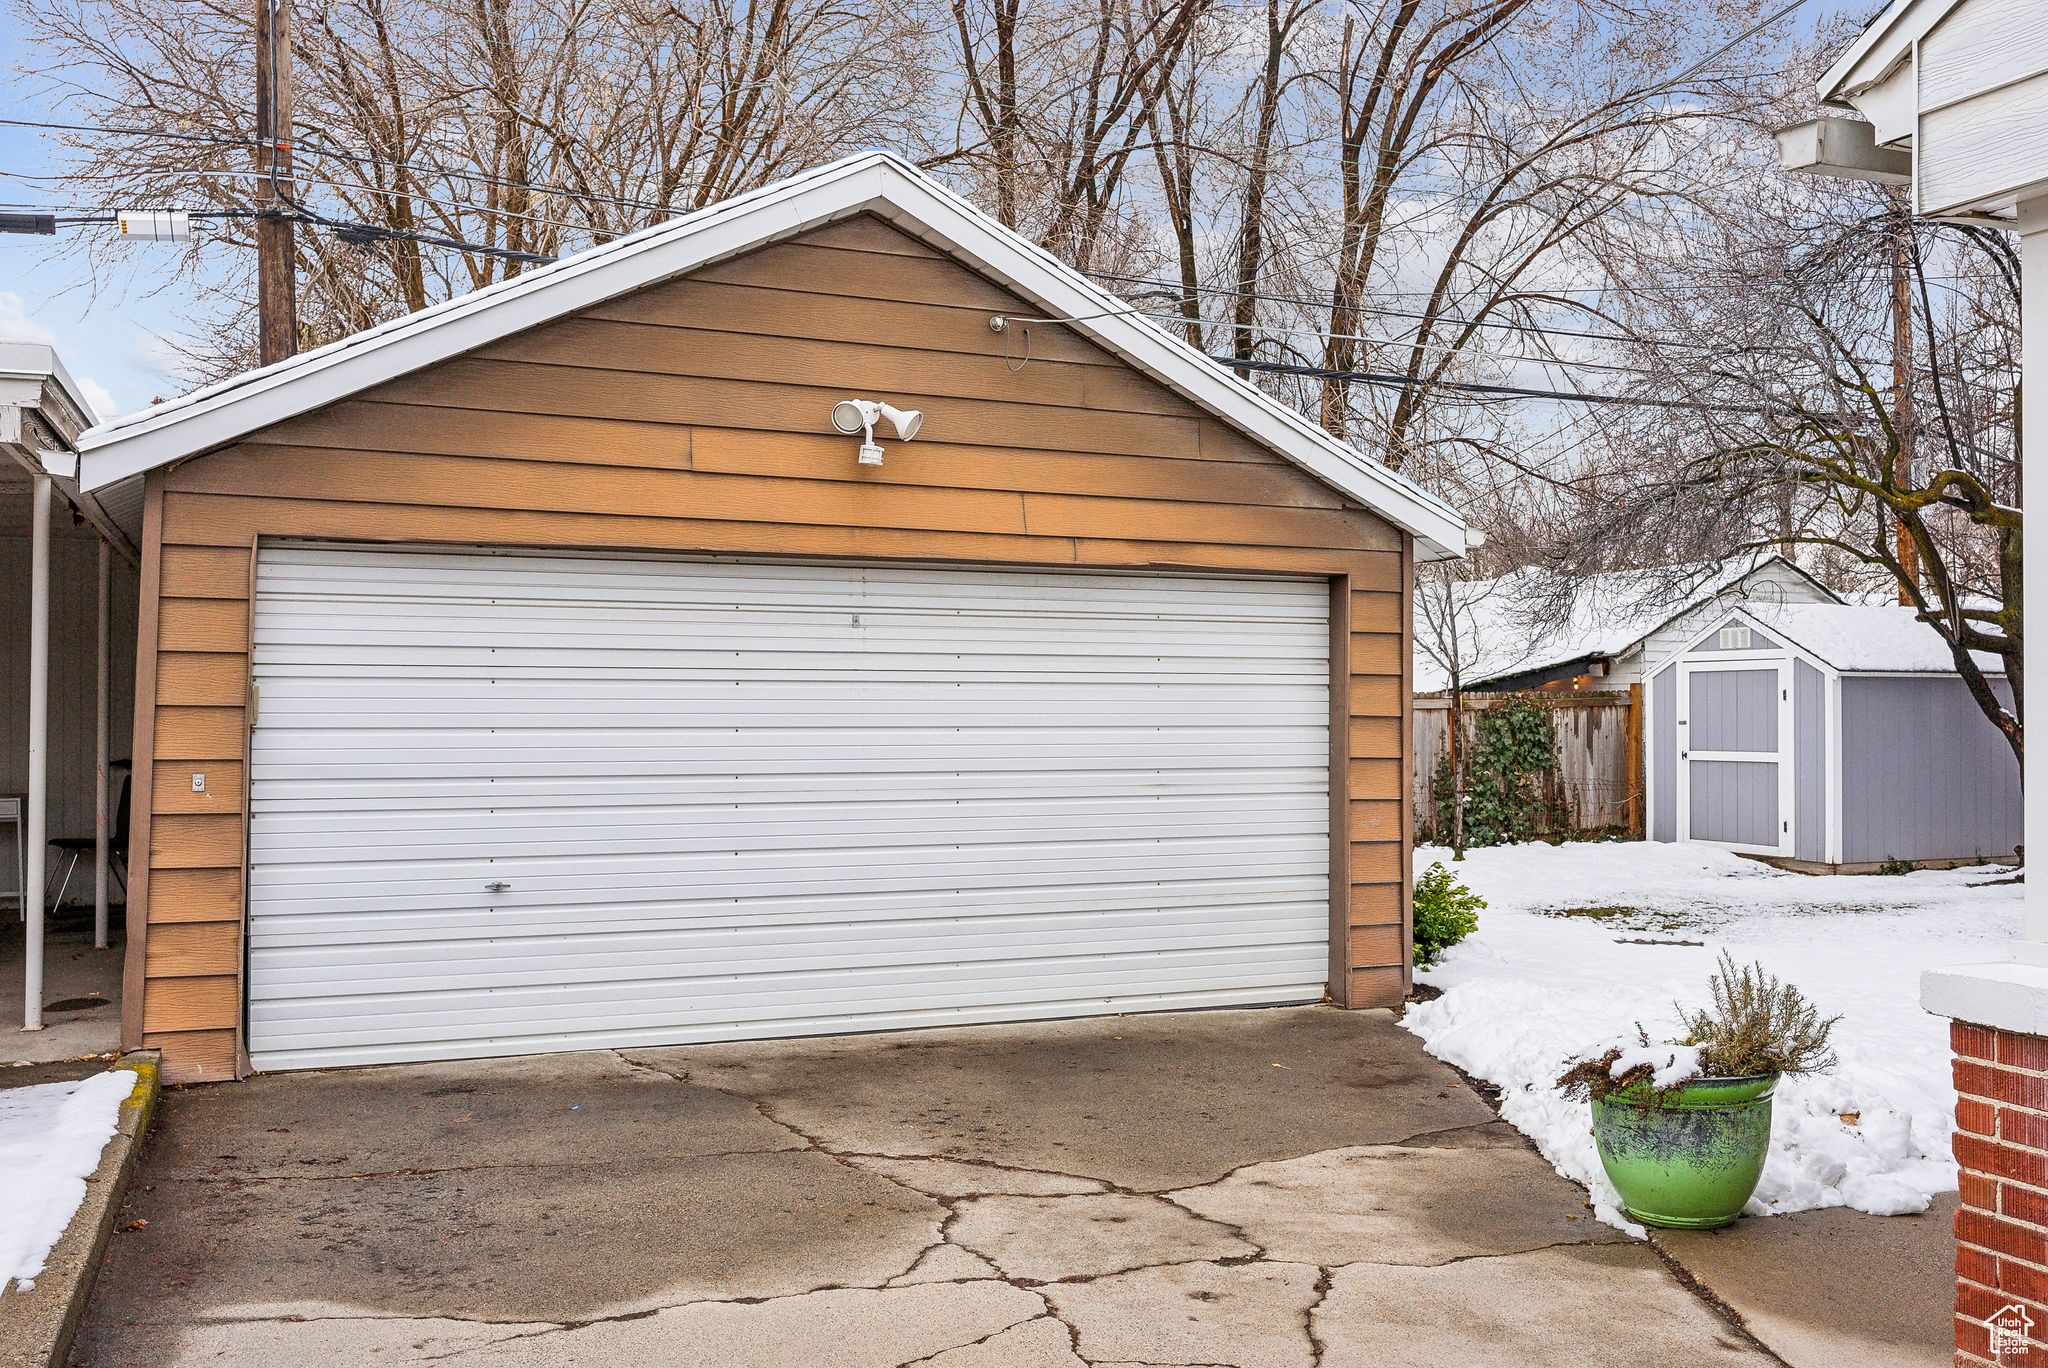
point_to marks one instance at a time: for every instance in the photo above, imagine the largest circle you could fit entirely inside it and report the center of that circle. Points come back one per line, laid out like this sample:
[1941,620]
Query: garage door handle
[497,887]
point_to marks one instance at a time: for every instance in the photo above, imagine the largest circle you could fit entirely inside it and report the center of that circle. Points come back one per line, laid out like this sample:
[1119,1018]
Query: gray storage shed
[1831,736]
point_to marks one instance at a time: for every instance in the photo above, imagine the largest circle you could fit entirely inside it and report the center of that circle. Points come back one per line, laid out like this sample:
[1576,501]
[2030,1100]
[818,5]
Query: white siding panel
[1984,149]
[734,800]
[1979,48]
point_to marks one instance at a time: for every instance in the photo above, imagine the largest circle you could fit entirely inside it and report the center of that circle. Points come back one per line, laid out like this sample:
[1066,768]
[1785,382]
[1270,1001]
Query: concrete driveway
[1282,1187]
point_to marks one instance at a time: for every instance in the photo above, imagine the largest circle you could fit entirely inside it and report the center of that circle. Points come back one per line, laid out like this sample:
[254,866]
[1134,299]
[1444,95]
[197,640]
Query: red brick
[1979,1190]
[1988,1156]
[2017,1127]
[1976,1042]
[1982,1303]
[2023,1281]
[2001,1084]
[2025,1204]
[1976,1116]
[2023,1051]
[2002,1236]
[1976,1265]
[1972,1339]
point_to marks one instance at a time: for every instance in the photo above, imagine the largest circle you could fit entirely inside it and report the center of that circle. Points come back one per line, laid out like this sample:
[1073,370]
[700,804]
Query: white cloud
[17,326]
[99,397]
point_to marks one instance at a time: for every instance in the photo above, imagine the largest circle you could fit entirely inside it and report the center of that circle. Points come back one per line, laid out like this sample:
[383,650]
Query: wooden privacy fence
[1596,780]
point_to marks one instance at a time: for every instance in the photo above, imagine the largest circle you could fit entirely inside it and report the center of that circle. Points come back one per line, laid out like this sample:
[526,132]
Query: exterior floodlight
[859,416]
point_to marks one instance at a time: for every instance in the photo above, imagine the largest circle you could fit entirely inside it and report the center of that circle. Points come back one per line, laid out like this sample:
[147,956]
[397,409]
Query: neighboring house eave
[42,415]
[873,182]
[1541,675]
[1879,49]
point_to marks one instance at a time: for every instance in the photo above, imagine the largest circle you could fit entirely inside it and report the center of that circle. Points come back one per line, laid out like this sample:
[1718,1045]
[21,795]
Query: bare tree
[530,127]
[1787,428]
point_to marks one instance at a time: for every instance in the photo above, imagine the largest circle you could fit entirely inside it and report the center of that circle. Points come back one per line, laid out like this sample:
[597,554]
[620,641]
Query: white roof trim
[877,182]
[1786,635]
[1888,40]
[1786,645]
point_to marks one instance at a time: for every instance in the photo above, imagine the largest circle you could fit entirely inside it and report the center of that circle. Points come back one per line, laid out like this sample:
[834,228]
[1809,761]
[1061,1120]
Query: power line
[1481,387]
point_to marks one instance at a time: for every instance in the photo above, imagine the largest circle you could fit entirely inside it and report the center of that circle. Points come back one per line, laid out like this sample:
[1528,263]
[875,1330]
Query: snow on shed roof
[1501,628]
[1865,638]
[878,182]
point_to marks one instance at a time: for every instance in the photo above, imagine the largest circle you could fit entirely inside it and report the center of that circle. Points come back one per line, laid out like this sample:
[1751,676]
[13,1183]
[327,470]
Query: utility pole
[277,294]
[1903,419]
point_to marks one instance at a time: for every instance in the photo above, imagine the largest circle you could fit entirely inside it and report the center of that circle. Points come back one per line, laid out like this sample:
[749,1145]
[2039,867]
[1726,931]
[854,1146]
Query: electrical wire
[1481,387]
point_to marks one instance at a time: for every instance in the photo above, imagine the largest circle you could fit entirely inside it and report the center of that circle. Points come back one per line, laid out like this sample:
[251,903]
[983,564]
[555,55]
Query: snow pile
[51,1135]
[1532,990]
[1867,637]
[1670,1065]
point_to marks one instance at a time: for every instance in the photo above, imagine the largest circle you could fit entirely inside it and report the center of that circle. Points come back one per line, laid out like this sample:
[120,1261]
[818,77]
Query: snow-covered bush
[1755,1025]
[1445,913]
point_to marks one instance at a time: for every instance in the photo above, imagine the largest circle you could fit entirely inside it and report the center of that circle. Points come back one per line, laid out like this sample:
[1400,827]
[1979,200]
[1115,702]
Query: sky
[119,339]
[115,344]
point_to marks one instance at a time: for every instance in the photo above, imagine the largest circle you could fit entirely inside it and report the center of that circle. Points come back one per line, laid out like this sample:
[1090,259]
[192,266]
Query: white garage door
[508,803]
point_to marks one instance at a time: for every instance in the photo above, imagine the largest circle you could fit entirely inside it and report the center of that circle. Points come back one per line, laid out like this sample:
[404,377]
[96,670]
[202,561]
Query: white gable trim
[876,182]
[1786,645]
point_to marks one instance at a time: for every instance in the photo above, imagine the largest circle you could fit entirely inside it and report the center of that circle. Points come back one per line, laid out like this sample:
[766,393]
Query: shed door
[510,803]
[1735,754]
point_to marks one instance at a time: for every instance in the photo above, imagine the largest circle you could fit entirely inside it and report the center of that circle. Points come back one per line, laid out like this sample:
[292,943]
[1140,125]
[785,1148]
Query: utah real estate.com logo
[2009,1331]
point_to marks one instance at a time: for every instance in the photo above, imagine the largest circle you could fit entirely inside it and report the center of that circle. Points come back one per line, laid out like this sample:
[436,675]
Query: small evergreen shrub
[1445,913]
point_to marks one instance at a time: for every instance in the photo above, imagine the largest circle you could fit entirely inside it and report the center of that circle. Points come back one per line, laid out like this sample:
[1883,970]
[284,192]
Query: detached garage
[1829,737]
[545,671]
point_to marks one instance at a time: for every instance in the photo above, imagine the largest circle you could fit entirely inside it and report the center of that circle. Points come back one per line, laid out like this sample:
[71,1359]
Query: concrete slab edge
[37,1326]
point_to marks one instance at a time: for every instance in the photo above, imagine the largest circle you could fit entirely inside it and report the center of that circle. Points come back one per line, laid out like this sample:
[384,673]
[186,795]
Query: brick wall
[2001,1148]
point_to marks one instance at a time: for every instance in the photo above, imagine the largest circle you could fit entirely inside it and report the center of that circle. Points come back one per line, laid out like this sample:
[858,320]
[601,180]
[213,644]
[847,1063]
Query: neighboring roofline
[1511,681]
[871,182]
[33,378]
[39,364]
[1680,611]
[1813,657]
[1882,45]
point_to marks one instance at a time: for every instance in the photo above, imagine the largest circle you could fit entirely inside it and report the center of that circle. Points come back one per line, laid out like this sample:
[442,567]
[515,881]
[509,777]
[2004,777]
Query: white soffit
[872,182]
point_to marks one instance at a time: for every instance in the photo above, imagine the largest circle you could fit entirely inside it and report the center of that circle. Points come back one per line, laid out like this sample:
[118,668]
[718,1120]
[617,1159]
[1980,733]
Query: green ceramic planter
[1690,1160]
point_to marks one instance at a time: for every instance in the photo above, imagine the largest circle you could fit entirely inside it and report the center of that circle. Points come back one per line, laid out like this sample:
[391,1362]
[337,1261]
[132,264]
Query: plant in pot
[1683,1128]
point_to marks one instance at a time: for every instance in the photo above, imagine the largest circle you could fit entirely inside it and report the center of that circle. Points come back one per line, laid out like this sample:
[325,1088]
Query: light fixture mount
[859,416]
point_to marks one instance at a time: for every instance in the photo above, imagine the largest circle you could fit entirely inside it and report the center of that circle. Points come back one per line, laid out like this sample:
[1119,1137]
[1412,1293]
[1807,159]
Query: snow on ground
[1531,989]
[51,1135]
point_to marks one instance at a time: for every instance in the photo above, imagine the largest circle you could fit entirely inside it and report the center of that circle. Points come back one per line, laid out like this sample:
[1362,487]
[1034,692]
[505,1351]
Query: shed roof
[1864,638]
[1503,633]
[872,182]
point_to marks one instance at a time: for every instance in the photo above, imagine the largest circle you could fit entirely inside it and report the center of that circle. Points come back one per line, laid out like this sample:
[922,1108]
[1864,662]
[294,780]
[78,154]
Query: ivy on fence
[1513,746]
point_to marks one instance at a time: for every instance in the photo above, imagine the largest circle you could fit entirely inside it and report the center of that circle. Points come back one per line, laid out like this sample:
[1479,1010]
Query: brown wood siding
[691,417]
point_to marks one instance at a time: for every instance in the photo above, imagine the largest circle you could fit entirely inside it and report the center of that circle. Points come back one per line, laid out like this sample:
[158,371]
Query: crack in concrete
[973,1343]
[1713,1301]
[1325,1277]
[950,1205]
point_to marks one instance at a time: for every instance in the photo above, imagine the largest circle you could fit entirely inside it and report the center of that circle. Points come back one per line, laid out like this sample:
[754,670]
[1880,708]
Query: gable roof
[1609,615]
[879,183]
[1860,638]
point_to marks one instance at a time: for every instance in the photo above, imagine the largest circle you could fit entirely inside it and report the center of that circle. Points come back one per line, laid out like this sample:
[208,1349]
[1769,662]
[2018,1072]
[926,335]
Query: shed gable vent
[1734,639]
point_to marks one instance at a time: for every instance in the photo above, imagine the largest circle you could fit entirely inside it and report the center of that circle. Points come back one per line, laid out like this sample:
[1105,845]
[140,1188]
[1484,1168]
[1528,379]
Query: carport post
[99,792]
[38,751]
